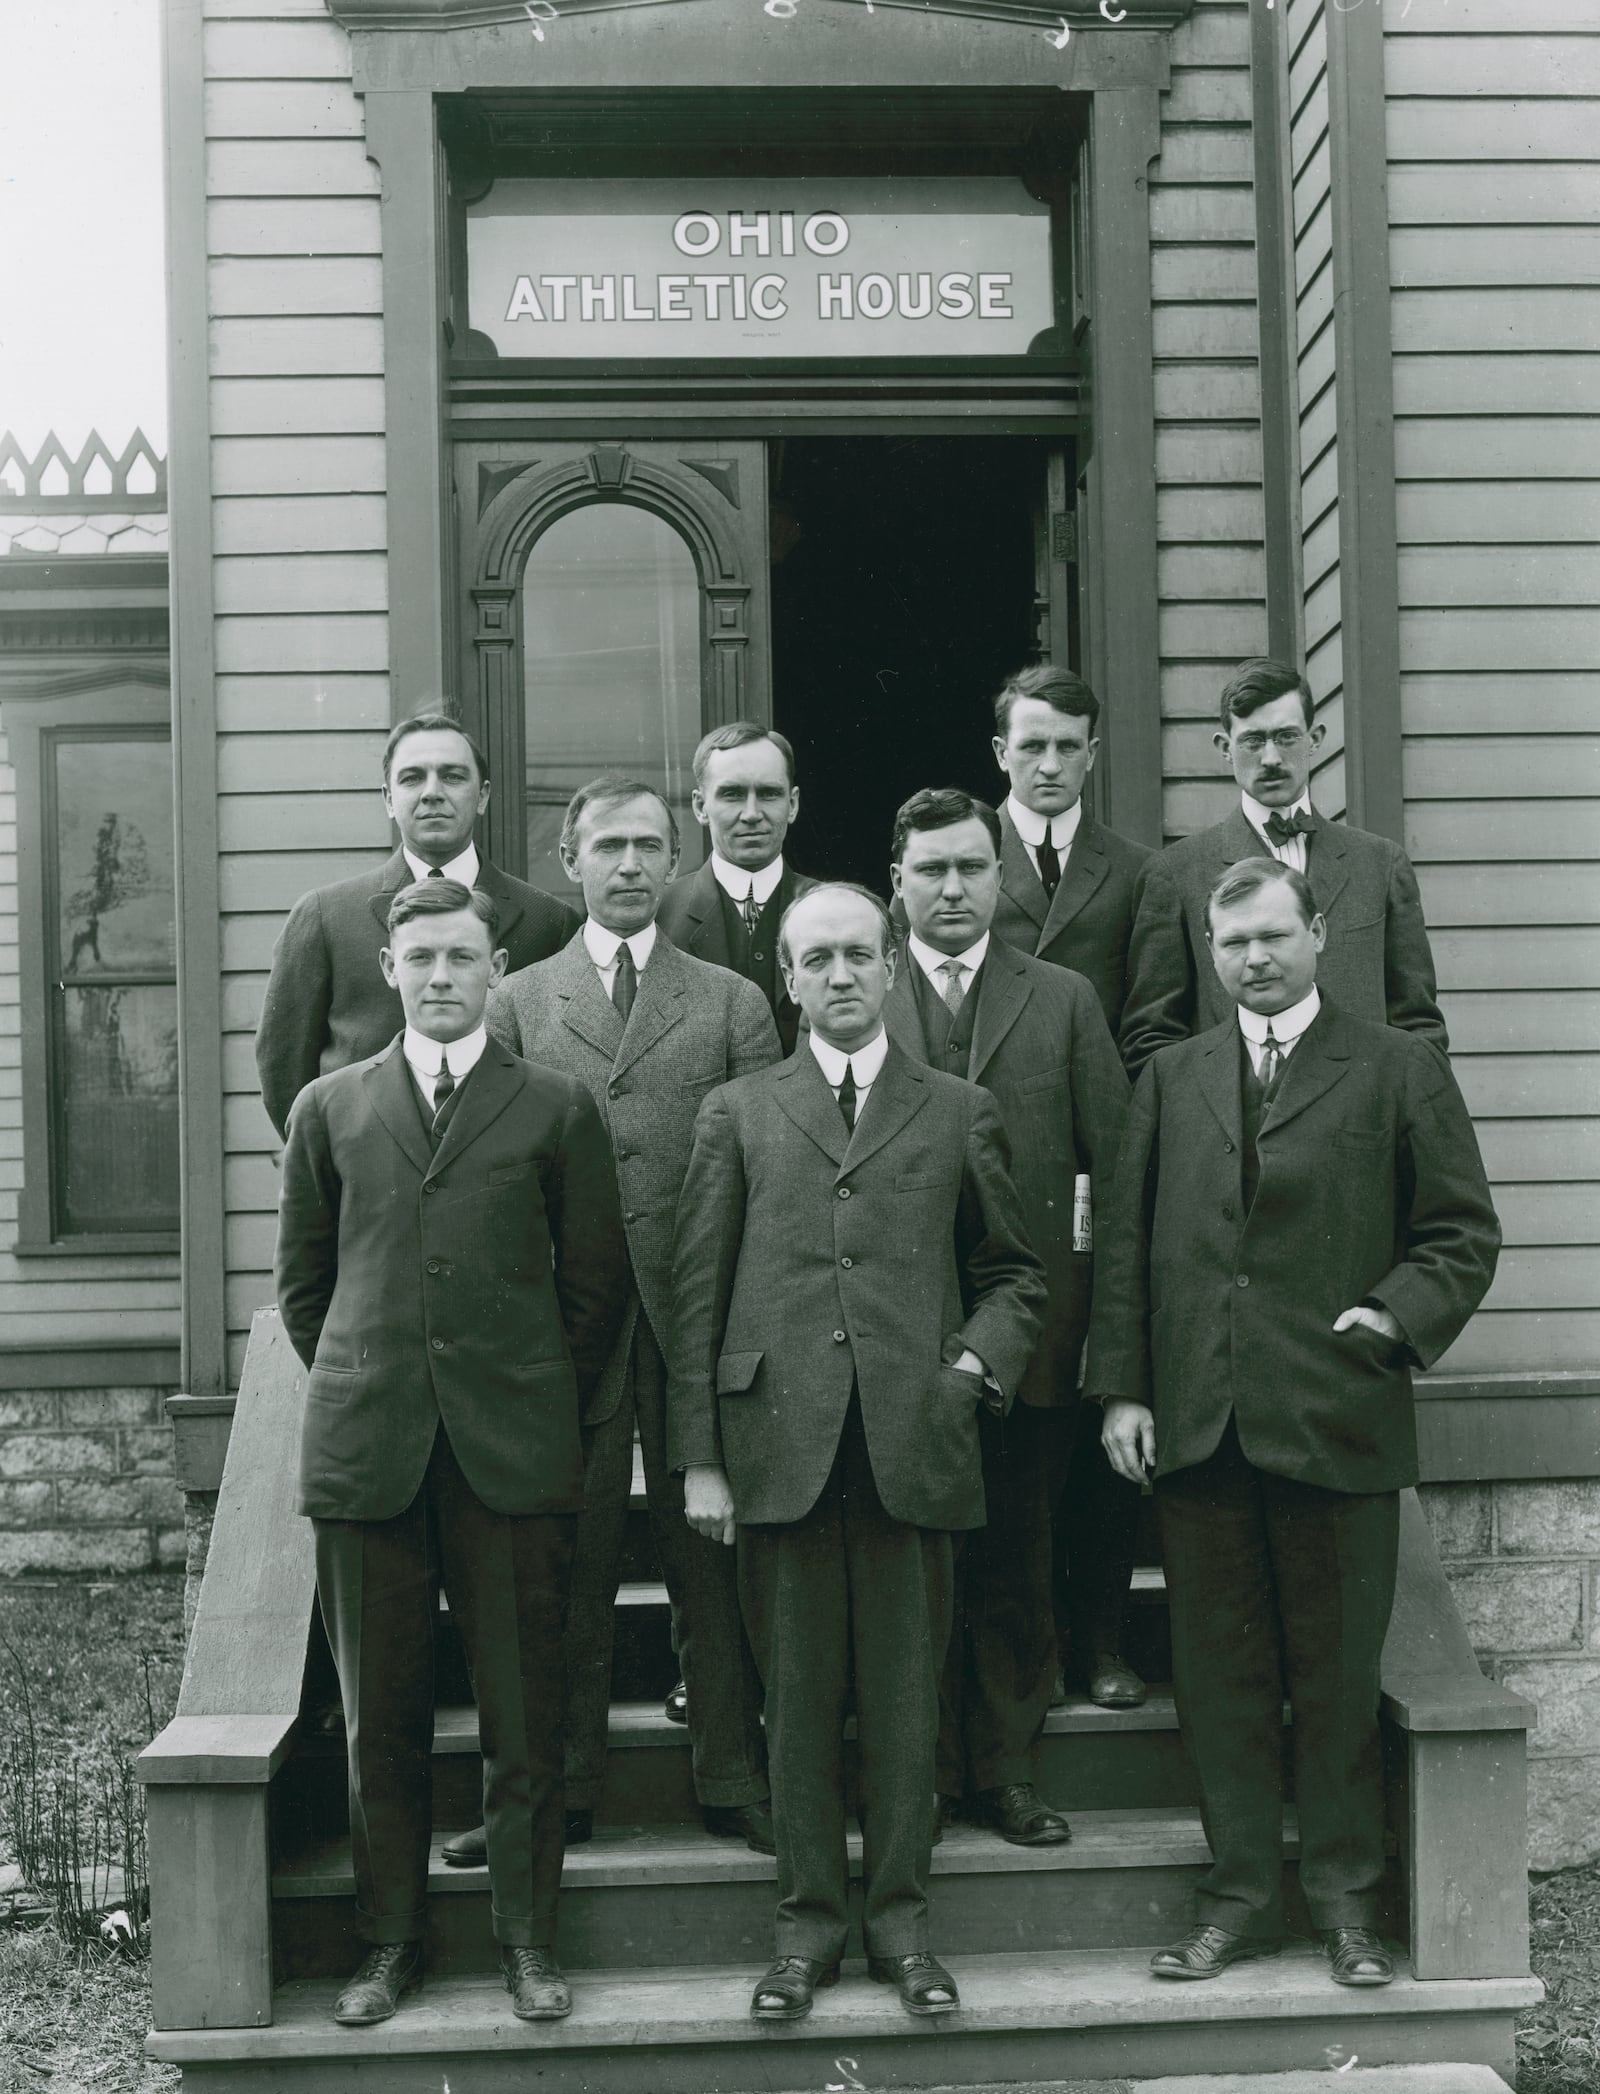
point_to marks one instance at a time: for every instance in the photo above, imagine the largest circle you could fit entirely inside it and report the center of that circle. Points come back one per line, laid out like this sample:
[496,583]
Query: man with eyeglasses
[1376,963]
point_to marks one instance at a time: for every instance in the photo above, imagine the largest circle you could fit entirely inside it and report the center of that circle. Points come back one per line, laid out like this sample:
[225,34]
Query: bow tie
[1281,827]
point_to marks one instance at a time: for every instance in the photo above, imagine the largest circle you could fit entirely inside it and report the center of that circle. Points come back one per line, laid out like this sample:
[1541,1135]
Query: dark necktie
[1272,1060]
[1283,828]
[1049,863]
[435,872]
[625,982]
[847,1097]
[444,1084]
[750,910]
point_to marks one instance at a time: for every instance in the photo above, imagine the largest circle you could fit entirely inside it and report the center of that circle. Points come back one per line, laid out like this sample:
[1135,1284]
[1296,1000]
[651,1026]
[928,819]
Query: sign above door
[925,265]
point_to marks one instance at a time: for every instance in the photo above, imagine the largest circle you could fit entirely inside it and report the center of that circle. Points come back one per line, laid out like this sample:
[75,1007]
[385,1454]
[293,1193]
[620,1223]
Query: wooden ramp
[665,1930]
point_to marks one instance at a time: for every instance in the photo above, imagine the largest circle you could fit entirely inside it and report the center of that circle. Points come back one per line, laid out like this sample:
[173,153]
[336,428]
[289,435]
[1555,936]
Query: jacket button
[437,1344]
[759,956]
[1227,1211]
[1241,1279]
[429,1186]
[847,1263]
[838,1337]
[630,1216]
[844,1192]
[433,1265]
[1228,1147]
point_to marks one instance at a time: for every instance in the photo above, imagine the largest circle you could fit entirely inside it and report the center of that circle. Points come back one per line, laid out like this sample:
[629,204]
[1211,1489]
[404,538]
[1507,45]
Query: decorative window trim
[113,700]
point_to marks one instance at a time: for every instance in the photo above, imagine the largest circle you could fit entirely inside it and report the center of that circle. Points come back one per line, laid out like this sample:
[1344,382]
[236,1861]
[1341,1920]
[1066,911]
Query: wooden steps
[666,1930]
[656,1897]
[1024,2017]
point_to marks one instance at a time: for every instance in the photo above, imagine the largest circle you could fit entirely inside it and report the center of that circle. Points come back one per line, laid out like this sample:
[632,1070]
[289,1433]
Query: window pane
[611,656]
[119,1123]
[114,856]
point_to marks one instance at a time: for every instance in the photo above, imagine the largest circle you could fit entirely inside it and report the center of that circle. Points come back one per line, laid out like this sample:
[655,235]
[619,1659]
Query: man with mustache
[1375,963]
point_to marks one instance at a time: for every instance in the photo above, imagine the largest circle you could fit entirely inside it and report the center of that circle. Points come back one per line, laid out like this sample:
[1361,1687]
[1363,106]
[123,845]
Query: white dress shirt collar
[423,1057]
[1287,1026]
[737,880]
[1032,828]
[930,960]
[604,945]
[463,868]
[865,1062]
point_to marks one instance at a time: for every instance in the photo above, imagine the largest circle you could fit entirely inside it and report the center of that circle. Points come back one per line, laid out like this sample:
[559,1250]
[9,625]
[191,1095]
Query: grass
[102,1663]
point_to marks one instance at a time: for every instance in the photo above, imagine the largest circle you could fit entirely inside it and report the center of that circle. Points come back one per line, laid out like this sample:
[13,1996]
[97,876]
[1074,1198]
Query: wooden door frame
[1121,75]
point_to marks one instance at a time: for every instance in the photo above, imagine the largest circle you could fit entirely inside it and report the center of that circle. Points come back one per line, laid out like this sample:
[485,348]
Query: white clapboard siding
[1494,143]
[1212,572]
[299,576]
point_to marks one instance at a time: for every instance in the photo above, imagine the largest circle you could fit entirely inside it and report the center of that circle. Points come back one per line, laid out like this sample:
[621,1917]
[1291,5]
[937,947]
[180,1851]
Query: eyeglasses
[1285,740]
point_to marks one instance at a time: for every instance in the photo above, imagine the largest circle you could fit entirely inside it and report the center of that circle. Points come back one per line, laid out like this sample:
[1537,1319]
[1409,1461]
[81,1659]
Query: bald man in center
[853,1282]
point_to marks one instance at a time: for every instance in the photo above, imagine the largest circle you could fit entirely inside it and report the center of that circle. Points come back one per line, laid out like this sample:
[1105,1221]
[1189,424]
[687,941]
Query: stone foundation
[86,1482]
[1524,1562]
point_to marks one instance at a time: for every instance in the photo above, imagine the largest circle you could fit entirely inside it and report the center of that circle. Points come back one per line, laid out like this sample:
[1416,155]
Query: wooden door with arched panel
[615,607]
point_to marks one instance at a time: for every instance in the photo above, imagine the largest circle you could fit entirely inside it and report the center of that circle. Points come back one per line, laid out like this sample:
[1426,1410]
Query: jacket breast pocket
[922,1181]
[697,1086]
[736,1372]
[330,1384]
[510,1173]
[1362,1137]
[1048,1079]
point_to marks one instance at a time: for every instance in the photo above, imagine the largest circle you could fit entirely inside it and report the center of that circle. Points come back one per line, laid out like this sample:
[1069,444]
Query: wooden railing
[52,479]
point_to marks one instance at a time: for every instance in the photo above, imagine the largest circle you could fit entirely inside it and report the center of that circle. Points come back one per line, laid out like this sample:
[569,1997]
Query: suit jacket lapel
[586,1009]
[396,874]
[1004,994]
[1219,1080]
[1085,868]
[902,1014]
[898,1093]
[1019,875]
[484,1097]
[1327,864]
[706,936]
[1319,1061]
[507,903]
[802,1091]
[658,1005]
[393,1098]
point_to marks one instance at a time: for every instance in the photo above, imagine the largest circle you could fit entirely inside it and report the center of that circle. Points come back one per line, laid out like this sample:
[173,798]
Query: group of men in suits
[866,1193]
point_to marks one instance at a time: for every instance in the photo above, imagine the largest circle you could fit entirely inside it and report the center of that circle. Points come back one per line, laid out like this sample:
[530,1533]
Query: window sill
[162,1244]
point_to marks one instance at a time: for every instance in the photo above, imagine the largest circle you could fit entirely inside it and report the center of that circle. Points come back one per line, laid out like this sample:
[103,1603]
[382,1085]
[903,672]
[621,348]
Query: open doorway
[905,587]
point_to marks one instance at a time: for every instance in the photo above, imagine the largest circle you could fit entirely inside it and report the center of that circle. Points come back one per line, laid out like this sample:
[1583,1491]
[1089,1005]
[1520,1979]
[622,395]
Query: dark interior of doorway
[902,596]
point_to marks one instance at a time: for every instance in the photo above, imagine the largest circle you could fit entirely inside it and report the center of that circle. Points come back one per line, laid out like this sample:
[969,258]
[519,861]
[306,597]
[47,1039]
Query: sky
[82,324]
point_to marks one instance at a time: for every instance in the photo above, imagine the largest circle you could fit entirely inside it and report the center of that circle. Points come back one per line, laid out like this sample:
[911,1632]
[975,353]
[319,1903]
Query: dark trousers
[1277,1586]
[1096,1529]
[1001,1665]
[848,1594]
[702,1586]
[378,1582]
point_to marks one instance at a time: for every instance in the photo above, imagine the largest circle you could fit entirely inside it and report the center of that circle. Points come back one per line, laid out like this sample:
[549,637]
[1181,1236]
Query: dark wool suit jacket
[327,1004]
[812,1260]
[691,915]
[1087,922]
[691,1028]
[1041,1048]
[1371,1188]
[1376,964]
[480,1284]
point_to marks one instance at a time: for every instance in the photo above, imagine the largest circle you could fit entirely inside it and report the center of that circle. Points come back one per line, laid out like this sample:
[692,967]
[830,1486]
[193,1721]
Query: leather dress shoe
[467,1850]
[1058,1691]
[750,1822]
[386,1974]
[1113,1683]
[676,1706]
[1206,1952]
[537,1984]
[923,1983]
[579,1827]
[944,1809]
[1357,1956]
[784,1994]
[1020,1815]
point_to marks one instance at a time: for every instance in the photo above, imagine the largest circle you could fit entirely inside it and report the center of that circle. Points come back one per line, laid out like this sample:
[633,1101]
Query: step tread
[1149,1584]
[664,1854]
[660,2008]
[1376,2079]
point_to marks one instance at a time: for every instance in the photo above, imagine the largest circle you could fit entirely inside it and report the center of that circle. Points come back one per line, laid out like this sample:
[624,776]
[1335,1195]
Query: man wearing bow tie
[1300,1217]
[1376,962]
[728,912]
[649,1031]
[450,1268]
